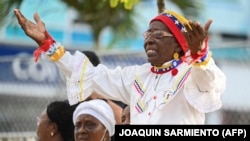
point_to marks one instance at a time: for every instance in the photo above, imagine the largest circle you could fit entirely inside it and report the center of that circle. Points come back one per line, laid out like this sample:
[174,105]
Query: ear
[54,128]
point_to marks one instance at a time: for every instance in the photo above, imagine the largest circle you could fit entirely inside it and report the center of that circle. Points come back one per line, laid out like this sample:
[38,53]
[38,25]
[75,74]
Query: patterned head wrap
[174,22]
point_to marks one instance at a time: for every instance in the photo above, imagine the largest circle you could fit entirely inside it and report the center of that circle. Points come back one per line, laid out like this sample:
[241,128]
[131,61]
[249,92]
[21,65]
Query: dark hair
[119,103]
[124,106]
[61,113]
[93,58]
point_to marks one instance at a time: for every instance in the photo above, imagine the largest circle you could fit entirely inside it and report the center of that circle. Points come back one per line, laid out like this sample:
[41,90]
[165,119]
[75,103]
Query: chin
[152,63]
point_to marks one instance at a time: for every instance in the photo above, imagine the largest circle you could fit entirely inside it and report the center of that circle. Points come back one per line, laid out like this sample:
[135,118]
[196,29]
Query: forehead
[158,25]
[88,117]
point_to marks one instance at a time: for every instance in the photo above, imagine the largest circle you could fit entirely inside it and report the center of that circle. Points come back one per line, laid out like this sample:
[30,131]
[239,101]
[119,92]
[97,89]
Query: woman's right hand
[36,31]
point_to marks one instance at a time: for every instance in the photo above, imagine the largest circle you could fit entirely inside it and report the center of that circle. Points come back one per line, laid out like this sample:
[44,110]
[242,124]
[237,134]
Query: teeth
[150,51]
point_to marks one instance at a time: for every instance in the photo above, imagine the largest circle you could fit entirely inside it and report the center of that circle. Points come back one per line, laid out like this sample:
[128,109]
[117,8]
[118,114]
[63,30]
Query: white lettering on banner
[24,68]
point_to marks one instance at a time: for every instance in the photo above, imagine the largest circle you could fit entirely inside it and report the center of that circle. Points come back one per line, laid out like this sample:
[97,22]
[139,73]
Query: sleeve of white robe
[83,78]
[204,88]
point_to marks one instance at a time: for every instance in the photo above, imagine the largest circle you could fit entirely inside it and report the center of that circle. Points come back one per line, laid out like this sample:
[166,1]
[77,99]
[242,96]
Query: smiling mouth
[151,52]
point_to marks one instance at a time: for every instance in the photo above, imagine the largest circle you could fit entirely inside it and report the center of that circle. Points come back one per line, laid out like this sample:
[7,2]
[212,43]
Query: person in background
[94,121]
[117,106]
[126,115]
[55,122]
[179,84]
[93,58]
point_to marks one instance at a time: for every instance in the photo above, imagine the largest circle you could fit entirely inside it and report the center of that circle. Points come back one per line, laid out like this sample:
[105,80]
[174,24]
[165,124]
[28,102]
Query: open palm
[36,31]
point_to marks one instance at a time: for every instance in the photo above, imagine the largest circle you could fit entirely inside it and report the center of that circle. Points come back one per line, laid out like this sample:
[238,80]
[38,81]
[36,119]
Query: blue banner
[18,68]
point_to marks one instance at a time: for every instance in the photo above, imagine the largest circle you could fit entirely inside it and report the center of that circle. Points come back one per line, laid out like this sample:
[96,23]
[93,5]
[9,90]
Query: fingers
[19,17]
[37,18]
[192,30]
[207,25]
[198,28]
[194,35]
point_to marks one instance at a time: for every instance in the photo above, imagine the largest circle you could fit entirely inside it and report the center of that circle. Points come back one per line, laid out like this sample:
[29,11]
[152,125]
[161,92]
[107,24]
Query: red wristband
[201,53]
[44,46]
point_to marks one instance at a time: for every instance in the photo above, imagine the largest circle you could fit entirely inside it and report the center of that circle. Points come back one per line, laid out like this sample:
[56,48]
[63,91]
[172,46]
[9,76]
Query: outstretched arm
[207,82]
[78,70]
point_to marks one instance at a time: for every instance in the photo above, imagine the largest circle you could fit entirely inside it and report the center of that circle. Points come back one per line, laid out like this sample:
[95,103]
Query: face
[159,49]
[88,128]
[126,115]
[44,127]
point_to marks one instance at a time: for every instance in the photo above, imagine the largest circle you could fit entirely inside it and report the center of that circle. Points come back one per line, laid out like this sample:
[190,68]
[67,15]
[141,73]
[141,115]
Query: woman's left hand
[196,36]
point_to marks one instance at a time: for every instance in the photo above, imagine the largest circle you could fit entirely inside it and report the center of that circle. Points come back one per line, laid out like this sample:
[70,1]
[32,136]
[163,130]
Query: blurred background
[115,34]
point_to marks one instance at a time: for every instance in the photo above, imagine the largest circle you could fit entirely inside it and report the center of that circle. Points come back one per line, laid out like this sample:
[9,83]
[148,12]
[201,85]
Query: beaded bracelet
[57,53]
[203,58]
[204,61]
[52,49]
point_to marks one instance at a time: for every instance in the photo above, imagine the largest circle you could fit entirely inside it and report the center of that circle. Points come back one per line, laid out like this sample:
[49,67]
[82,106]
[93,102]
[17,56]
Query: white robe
[153,99]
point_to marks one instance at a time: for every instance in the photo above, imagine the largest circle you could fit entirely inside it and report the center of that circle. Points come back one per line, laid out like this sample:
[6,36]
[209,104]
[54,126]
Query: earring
[175,63]
[52,134]
[176,56]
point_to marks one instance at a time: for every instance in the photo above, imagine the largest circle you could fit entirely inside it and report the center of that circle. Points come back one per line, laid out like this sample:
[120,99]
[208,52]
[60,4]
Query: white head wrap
[100,110]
